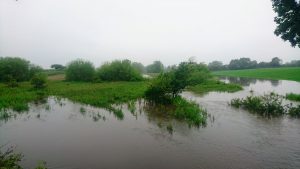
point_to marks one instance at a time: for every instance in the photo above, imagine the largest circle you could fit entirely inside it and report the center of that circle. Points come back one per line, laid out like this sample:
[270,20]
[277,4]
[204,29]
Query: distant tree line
[247,63]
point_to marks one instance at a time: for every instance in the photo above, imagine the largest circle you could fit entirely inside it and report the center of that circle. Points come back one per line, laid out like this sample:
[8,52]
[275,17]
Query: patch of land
[284,73]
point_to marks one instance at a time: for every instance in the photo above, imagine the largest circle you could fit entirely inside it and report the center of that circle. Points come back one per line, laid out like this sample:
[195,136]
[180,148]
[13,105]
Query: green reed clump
[293,97]
[266,105]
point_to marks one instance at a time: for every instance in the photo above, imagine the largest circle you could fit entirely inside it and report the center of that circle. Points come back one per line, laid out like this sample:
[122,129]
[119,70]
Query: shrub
[80,70]
[266,105]
[11,82]
[119,71]
[39,81]
[173,82]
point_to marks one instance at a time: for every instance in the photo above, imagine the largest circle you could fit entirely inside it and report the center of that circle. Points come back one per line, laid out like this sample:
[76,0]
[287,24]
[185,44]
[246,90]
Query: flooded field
[69,135]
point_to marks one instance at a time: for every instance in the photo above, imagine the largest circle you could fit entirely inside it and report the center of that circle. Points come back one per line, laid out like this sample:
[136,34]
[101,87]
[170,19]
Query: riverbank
[284,73]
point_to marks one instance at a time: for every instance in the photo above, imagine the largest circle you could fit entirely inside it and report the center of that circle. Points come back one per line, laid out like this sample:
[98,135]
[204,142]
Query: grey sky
[58,31]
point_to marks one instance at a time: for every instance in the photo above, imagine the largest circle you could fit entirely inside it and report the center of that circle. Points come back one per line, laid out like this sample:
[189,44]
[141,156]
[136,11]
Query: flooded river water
[69,135]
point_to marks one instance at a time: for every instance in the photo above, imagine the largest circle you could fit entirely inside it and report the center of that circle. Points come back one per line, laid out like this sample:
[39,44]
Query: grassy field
[214,85]
[285,73]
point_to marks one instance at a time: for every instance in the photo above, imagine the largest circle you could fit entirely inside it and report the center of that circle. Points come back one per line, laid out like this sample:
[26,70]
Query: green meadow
[283,73]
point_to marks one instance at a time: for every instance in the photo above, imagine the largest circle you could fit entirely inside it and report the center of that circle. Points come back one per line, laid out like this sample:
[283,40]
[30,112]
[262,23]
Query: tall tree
[288,20]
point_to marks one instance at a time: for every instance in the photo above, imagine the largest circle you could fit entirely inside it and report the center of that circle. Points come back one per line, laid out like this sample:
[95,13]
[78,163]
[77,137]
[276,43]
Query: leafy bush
[171,83]
[119,71]
[266,105]
[11,82]
[80,70]
[39,81]
[17,69]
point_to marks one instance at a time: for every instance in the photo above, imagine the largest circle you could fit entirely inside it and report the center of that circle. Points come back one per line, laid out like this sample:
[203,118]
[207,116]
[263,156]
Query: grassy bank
[285,73]
[214,85]
[95,94]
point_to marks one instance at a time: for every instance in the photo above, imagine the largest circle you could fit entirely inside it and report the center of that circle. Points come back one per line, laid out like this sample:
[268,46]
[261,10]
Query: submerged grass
[215,85]
[95,94]
[293,97]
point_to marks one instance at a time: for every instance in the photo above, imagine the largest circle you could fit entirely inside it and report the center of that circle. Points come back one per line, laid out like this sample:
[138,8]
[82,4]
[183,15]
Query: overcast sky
[58,31]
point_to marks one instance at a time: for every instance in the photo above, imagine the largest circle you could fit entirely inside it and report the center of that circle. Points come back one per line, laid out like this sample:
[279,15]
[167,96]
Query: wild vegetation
[293,97]
[165,90]
[247,63]
[80,70]
[119,71]
[286,73]
[266,105]
[11,160]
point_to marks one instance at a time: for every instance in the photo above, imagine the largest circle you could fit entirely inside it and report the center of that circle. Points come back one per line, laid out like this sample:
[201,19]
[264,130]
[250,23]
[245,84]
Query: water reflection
[248,81]
[72,135]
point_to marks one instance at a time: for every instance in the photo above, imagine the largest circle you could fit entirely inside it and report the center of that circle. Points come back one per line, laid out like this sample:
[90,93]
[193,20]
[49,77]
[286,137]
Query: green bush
[80,70]
[119,71]
[17,69]
[171,83]
[39,81]
[293,97]
[266,105]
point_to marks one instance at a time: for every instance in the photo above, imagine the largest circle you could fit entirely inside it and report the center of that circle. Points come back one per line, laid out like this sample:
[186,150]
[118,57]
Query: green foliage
[119,71]
[215,65]
[11,160]
[95,94]
[80,70]
[171,83]
[188,111]
[242,63]
[39,81]
[139,67]
[180,109]
[11,82]
[17,69]
[288,20]
[295,111]
[286,73]
[266,105]
[214,85]
[293,96]
[155,67]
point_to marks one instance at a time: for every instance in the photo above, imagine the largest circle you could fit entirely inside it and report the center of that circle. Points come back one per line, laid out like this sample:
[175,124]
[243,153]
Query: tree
[155,67]
[139,66]
[17,69]
[215,65]
[119,71]
[242,63]
[288,20]
[275,62]
[80,70]
[169,84]
[57,67]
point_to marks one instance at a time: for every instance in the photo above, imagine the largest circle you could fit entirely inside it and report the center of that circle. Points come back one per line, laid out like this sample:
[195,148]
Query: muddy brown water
[66,137]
